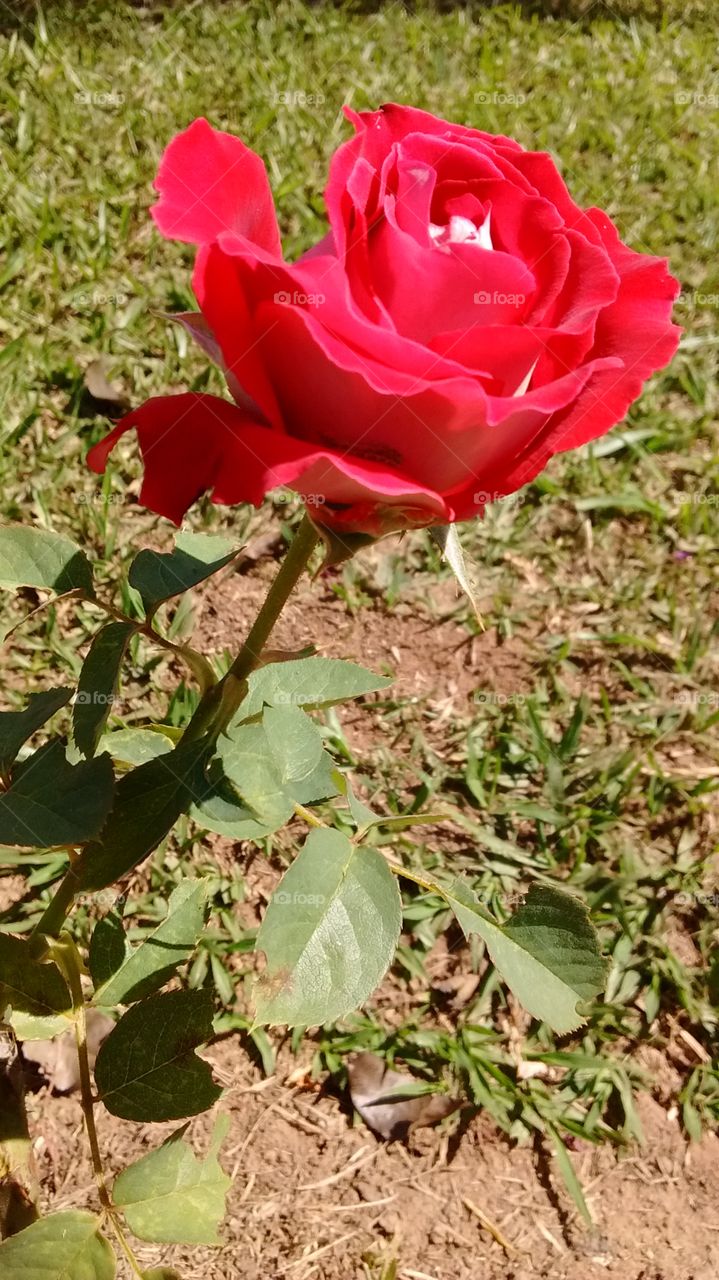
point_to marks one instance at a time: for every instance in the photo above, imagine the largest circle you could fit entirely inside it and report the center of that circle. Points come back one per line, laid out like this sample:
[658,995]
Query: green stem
[422,881]
[67,956]
[53,917]
[197,663]
[221,702]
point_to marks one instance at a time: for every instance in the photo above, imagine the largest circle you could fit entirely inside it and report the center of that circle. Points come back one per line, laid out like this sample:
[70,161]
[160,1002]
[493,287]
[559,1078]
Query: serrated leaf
[52,802]
[149,965]
[62,1246]
[309,683]
[135,746]
[172,1197]
[262,771]
[31,986]
[547,952]
[160,575]
[328,934]
[147,1068]
[37,558]
[98,683]
[222,811]
[17,726]
[148,802]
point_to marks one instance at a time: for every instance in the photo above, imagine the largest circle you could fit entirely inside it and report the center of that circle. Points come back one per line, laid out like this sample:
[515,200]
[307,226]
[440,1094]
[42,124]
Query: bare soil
[314,1196]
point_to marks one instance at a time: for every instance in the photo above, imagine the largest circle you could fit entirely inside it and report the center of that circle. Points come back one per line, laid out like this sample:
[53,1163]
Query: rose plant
[462,321]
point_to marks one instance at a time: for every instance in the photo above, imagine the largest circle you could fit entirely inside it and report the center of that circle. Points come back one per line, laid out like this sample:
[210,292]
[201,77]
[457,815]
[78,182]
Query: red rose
[462,321]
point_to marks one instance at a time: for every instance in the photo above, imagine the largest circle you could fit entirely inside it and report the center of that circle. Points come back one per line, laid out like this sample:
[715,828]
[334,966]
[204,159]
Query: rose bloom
[462,321]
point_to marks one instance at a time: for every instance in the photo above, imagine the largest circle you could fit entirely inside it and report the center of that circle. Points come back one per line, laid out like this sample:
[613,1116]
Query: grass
[602,768]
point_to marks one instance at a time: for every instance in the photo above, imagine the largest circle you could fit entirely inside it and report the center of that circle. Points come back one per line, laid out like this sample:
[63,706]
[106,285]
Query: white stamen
[461,230]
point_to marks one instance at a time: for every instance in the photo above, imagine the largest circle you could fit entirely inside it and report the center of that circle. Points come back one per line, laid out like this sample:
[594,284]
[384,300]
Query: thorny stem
[221,702]
[68,957]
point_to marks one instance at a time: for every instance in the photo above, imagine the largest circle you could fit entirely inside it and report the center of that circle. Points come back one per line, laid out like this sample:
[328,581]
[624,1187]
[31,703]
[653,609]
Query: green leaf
[147,1068]
[568,1172]
[307,682]
[172,1197]
[362,816]
[62,1246]
[135,746]
[547,952]
[262,771]
[28,1026]
[37,558]
[249,762]
[98,684]
[52,802]
[294,740]
[30,985]
[148,966]
[247,799]
[17,726]
[329,933]
[108,948]
[148,802]
[158,576]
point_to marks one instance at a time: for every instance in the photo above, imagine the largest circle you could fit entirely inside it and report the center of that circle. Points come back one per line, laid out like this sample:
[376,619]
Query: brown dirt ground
[315,1197]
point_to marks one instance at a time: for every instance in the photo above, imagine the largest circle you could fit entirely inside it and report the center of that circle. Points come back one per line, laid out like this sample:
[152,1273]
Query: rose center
[461,230]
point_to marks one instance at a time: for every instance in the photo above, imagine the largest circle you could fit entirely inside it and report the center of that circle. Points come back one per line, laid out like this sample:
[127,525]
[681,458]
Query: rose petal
[210,183]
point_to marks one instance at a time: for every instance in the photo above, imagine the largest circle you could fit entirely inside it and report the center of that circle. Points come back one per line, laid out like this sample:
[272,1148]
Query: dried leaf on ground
[372,1086]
